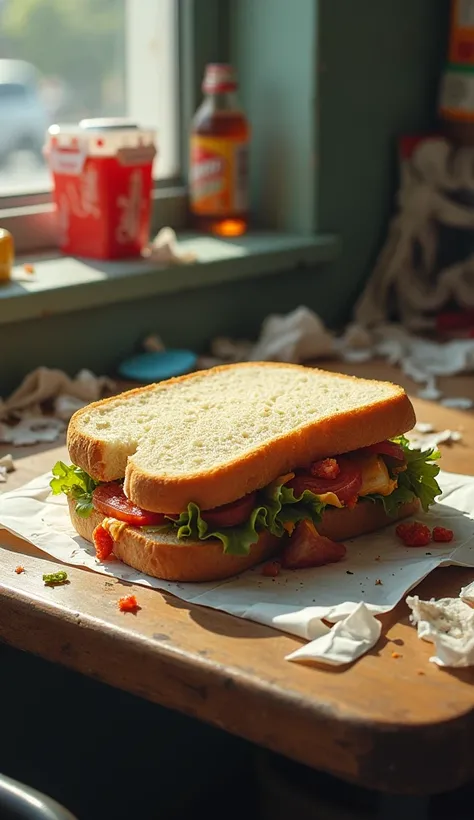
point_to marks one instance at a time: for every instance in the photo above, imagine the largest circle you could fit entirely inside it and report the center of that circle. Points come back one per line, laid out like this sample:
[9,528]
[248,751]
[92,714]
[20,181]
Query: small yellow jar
[7,255]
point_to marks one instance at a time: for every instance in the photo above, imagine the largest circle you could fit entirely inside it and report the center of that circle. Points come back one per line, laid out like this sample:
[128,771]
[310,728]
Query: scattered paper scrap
[7,462]
[467,594]
[449,624]
[433,439]
[458,403]
[31,431]
[423,427]
[23,419]
[346,641]
[164,248]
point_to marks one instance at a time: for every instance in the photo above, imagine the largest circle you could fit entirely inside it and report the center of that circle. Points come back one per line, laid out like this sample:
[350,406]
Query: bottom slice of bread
[163,556]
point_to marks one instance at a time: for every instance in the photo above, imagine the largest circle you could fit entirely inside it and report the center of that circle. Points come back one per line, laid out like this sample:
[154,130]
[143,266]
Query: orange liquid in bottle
[219,158]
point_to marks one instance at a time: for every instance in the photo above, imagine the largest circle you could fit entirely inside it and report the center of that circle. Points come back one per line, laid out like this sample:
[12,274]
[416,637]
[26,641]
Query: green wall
[329,86]
[100,338]
[379,69]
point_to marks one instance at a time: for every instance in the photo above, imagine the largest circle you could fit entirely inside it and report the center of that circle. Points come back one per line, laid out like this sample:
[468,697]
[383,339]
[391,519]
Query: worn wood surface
[395,724]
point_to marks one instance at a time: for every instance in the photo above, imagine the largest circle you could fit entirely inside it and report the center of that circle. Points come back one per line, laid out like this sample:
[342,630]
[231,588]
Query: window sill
[64,284]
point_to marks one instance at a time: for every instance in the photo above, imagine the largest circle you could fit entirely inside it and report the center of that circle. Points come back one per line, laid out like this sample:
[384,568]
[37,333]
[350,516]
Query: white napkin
[47,385]
[301,336]
[449,624]
[375,575]
[421,359]
[298,336]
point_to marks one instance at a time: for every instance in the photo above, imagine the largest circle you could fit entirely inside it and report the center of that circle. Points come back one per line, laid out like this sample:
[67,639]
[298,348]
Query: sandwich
[200,477]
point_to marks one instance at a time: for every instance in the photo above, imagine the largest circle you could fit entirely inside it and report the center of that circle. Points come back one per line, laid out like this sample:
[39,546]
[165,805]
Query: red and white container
[102,173]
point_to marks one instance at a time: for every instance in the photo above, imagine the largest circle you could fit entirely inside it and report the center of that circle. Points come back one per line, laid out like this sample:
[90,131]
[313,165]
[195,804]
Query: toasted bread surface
[163,556]
[216,435]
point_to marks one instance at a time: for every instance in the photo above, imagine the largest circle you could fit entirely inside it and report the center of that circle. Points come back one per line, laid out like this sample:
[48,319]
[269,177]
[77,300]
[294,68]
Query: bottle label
[218,176]
[461,41]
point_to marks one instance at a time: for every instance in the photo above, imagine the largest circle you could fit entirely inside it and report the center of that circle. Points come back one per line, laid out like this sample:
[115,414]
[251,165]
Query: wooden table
[399,725]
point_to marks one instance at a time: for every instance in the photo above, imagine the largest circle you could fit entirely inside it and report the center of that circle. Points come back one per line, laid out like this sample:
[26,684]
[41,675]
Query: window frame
[31,217]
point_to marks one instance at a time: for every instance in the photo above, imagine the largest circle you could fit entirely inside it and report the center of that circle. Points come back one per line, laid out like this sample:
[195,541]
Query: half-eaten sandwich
[201,477]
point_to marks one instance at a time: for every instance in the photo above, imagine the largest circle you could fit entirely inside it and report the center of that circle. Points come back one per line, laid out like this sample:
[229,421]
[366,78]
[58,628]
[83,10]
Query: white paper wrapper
[375,575]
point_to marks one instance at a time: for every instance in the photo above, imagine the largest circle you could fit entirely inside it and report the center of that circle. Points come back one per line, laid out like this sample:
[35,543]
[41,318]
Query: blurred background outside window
[63,60]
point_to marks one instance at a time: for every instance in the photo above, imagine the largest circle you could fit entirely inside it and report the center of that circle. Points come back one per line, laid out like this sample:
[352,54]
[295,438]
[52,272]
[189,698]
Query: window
[64,60]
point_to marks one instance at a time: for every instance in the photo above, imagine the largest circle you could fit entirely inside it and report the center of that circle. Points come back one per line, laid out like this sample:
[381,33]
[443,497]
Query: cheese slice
[330,498]
[375,477]
[114,527]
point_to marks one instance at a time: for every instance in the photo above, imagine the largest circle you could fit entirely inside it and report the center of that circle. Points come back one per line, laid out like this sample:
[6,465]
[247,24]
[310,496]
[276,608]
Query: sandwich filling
[390,472]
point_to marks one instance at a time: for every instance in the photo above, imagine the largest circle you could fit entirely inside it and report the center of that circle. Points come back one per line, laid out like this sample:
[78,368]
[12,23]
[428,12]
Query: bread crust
[167,558]
[331,436]
[172,560]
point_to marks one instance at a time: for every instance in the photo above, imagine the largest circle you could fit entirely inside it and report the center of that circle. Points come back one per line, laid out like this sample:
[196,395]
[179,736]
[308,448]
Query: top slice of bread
[215,435]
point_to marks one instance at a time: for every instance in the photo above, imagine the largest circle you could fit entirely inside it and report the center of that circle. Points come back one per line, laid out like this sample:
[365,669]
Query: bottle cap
[219,78]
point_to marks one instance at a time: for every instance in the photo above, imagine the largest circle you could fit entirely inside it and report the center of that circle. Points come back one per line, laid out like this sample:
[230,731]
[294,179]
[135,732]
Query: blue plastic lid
[155,367]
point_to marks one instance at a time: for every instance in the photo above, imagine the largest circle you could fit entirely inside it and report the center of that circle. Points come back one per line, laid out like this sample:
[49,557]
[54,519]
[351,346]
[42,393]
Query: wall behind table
[379,70]
[99,338]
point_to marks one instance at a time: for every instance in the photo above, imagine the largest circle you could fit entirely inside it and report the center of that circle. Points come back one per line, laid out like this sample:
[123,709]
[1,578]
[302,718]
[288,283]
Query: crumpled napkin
[425,437]
[420,359]
[6,466]
[449,624]
[43,385]
[296,337]
[301,336]
[164,248]
[345,642]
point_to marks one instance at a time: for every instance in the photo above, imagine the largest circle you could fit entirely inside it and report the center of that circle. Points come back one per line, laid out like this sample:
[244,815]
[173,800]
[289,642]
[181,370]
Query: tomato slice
[111,500]
[346,485]
[386,448]
[230,515]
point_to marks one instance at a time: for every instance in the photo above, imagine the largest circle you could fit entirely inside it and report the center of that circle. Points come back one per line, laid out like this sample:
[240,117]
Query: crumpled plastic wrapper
[448,624]
[47,386]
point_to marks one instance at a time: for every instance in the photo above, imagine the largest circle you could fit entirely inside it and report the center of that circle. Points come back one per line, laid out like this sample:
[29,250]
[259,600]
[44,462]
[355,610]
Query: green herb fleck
[55,578]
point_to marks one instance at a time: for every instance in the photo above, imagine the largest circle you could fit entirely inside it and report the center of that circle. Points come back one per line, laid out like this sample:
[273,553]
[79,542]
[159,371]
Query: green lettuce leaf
[417,481]
[277,506]
[76,483]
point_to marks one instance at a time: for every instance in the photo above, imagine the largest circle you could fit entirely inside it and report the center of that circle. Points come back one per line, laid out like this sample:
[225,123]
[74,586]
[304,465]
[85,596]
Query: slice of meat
[386,448]
[345,485]
[230,515]
[307,548]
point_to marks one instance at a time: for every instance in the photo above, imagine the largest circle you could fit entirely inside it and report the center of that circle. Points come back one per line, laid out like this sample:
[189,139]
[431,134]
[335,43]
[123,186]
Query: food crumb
[54,579]
[377,558]
[19,570]
[396,655]
[129,604]
[28,267]
[420,672]
[378,582]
